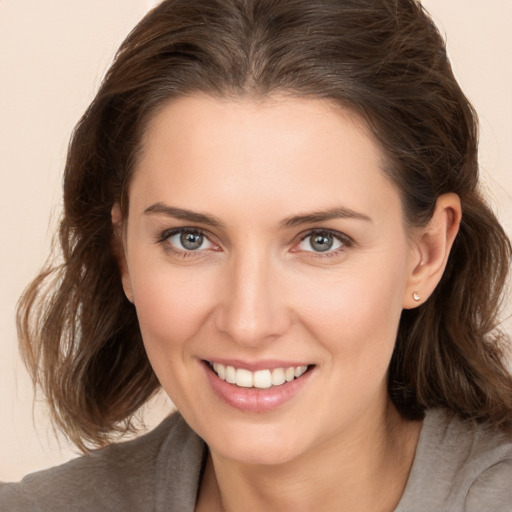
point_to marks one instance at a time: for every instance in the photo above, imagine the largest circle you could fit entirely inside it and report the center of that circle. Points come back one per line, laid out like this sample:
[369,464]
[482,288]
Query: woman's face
[264,236]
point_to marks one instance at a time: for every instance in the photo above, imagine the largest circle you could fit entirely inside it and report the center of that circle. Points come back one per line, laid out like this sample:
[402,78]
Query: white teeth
[300,370]
[261,379]
[289,374]
[221,371]
[230,374]
[243,378]
[278,377]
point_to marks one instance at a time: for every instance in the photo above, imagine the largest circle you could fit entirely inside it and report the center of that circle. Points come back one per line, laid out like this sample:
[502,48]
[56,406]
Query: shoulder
[459,465]
[120,476]
[484,467]
[492,489]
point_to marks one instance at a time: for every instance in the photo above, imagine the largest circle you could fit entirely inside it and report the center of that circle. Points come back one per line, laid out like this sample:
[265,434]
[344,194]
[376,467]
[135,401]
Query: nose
[252,309]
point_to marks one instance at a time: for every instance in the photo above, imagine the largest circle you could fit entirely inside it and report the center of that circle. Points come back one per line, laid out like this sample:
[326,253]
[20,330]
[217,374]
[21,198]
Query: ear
[119,249]
[431,247]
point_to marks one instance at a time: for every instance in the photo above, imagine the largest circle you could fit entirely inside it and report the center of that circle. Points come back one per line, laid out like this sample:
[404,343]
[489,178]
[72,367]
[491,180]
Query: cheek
[355,314]
[171,306]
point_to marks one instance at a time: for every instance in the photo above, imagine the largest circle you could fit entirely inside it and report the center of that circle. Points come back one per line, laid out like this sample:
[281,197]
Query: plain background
[54,54]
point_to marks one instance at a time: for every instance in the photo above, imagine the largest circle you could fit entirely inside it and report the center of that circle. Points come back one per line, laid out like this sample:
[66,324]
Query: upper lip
[267,364]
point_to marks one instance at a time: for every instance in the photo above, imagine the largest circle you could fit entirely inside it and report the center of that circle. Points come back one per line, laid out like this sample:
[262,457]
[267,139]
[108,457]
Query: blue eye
[187,240]
[321,242]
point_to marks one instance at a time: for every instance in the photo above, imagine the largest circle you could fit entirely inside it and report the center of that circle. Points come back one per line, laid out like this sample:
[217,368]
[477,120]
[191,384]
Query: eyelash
[344,240]
[163,240]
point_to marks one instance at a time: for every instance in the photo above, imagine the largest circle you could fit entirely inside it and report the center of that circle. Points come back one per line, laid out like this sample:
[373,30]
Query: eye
[323,242]
[187,240]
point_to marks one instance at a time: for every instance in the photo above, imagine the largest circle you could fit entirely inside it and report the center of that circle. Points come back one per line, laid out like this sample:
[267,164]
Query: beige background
[53,56]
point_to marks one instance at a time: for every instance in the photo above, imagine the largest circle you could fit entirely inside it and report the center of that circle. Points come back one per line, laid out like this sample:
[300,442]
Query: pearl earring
[416,296]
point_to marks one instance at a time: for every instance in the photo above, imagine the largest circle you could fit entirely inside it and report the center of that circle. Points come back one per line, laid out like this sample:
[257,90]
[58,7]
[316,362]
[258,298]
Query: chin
[257,447]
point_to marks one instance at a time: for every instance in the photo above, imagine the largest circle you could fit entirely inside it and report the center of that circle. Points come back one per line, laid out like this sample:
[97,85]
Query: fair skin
[264,235]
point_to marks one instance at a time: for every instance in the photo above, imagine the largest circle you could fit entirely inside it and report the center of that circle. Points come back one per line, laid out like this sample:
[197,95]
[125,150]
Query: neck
[365,471]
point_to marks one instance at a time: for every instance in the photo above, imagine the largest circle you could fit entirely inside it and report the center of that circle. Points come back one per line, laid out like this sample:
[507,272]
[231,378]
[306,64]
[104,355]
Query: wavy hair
[384,60]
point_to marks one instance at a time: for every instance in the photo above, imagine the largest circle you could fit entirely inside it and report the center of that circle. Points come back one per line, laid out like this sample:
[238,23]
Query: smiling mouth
[260,379]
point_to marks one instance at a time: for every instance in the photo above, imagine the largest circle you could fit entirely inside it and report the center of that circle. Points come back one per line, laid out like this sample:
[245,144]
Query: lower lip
[254,399]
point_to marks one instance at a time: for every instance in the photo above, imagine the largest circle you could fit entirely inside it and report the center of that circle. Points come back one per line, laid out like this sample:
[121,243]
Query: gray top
[458,466]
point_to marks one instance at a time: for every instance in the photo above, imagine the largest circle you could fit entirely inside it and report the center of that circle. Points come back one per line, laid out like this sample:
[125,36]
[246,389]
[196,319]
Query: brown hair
[385,60]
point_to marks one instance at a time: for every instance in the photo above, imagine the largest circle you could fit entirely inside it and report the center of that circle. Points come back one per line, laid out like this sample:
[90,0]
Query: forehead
[291,151]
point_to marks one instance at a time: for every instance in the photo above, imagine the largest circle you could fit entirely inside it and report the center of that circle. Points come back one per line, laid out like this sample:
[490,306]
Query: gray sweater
[458,466]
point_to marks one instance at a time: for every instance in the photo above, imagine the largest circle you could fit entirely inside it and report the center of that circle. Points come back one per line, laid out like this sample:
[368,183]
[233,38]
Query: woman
[271,210]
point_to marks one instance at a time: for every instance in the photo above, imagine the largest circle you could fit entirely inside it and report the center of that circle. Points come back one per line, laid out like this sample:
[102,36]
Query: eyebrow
[322,216]
[297,220]
[181,213]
